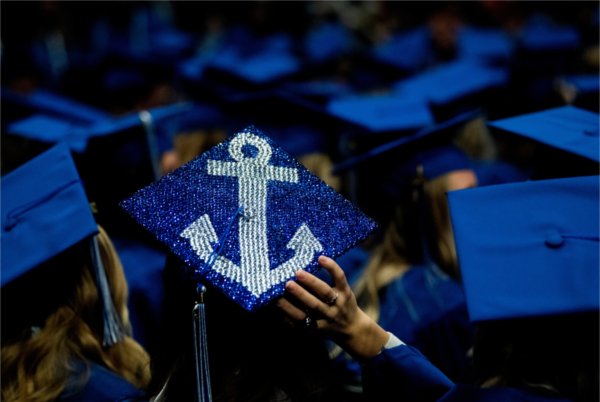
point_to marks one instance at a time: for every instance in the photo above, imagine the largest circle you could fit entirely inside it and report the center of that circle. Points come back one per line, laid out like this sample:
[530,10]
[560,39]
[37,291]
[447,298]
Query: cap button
[553,239]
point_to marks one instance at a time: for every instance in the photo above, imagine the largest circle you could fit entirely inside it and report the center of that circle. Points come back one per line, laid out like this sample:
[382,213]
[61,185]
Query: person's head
[529,262]
[63,286]
[71,332]
[418,227]
[421,216]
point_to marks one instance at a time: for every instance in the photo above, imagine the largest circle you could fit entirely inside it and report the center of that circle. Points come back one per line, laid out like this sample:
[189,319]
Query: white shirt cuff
[392,342]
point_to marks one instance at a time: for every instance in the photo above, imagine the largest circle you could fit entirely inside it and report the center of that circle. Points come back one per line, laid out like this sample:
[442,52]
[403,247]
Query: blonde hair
[321,165]
[399,249]
[39,367]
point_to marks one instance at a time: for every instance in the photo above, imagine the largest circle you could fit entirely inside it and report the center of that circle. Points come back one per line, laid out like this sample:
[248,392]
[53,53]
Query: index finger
[334,270]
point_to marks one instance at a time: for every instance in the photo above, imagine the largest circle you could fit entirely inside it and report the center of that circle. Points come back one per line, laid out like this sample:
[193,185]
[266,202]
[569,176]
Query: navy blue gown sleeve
[403,373]
[102,386]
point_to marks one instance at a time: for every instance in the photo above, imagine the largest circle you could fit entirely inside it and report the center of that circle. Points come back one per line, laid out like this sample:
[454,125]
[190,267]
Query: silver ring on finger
[331,301]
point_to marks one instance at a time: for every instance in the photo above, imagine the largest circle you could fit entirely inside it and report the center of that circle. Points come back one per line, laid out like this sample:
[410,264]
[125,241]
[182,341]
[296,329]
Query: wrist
[365,339]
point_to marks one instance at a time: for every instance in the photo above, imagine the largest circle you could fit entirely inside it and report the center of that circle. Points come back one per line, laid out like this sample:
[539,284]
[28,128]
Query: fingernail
[300,273]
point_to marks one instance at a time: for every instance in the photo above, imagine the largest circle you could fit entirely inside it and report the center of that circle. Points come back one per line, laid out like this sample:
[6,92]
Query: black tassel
[203,388]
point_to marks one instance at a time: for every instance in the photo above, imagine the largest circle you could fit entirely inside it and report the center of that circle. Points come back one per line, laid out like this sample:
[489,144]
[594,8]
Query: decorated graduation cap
[528,249]
[566,128]
[45,212]
[244,216]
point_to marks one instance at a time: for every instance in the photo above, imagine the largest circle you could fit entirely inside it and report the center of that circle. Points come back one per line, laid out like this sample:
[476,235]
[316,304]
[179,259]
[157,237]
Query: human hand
[334,310]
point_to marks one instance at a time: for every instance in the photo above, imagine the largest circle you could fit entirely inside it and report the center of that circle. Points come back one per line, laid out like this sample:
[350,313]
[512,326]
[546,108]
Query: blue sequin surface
[245,216]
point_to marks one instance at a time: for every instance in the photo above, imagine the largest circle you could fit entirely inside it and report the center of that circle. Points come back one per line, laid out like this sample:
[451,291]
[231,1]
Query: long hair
[38,366]
[401,247]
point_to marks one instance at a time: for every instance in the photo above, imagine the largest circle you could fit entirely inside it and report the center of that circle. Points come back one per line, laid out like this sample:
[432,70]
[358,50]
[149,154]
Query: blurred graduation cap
[453,82]
[327,41]
[382,176]
[244,216]
[152,37]
[528,249]
[321,90]
[566,128]
[494,45]
[258,69]
[50,103]
[77,135]
[542,35]
[382,113]
[427,137]
[45,212]
[408,51]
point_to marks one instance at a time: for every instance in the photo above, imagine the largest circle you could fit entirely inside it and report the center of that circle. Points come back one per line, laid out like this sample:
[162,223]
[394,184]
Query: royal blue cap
[260,68]
[408,50]
[53,104]
[485,43]
[567,128]
[452,81]
[51,130]
[542,35]
[44,212]
[528,249]
[382,113]
[326,41]
[430,147]
[245,216]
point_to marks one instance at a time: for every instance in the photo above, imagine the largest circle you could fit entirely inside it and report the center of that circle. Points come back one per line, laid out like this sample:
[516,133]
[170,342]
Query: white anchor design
[253,173]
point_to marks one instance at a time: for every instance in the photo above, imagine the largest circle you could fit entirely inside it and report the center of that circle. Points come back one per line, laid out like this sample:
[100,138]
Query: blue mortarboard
[42,101]
[449,82]
[260,68]
[566,128]
[320,89]
[326,41]
[528,249]
[52,129]
[386,174]
[485,43]
[44,212]
[409,50]
[381,113]
[245,216]
[425,147]
[541,35]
